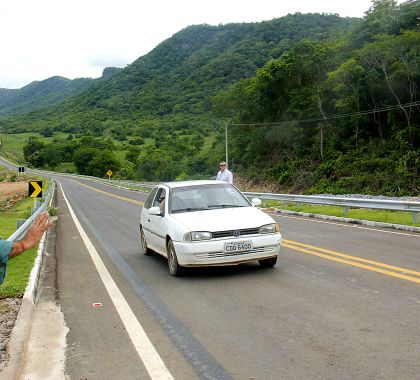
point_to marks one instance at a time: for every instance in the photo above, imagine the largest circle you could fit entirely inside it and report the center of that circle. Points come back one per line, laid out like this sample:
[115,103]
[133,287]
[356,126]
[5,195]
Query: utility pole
[226,144]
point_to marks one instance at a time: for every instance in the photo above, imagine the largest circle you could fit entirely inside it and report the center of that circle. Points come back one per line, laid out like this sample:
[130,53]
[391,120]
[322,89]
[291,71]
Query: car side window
[150,198]
[160,199]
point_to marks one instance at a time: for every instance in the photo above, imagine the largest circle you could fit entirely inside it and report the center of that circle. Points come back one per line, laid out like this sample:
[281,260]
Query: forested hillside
[312,103]
[40,94]
[45,93]
[174,81]
[335,116]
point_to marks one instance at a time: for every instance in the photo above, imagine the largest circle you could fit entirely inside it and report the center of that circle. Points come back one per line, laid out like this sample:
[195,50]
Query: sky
[79,38]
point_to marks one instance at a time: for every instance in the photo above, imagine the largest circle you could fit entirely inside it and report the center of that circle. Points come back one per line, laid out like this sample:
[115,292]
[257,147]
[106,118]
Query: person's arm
[33,235]
[230,178]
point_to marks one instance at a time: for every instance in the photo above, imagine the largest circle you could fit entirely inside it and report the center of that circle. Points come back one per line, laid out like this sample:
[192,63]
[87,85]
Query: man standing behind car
[224,173]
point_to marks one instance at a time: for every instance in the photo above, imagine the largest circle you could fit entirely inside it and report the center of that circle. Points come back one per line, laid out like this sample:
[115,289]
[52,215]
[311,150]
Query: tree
[95,162]
[391,66]
[82,158]
[47,132]
[52,155]
[33,145]
[382,17]
[103,161]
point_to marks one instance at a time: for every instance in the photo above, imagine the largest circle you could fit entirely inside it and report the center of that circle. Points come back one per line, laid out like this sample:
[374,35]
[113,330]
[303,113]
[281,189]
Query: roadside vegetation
[13,207]
[19,268]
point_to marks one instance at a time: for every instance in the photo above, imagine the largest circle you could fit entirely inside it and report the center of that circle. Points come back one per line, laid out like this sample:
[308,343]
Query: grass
[66,167]
[18,268]
[12,144]
[383,216]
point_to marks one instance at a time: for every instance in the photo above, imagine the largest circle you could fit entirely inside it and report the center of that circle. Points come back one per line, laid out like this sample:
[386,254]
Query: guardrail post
[37,205]
[20,223]
[346,211]
[415,217]
[299,205]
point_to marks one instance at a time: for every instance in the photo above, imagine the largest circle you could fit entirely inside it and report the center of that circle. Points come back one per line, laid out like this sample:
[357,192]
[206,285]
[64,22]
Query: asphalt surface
[342,302]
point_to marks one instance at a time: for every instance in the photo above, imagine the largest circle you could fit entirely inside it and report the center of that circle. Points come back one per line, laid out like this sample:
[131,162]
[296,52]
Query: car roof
[173,185]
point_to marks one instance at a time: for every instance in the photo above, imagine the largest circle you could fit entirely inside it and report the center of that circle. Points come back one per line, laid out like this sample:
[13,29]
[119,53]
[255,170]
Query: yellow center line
[110,194]
[346,256]
[357,261]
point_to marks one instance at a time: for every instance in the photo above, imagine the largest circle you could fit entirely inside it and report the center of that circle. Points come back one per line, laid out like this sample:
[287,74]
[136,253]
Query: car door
[155,224]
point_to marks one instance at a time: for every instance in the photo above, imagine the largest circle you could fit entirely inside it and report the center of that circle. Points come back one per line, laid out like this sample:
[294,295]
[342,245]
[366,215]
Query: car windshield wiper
[224,206]
[187,209]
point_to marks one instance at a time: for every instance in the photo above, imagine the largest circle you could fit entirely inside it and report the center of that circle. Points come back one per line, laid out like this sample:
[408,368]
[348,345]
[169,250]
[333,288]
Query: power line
[332,117]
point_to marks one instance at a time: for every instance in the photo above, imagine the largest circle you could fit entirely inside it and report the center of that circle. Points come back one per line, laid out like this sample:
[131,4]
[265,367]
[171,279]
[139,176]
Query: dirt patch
[257,187]
[11,193]
[10,189]
[9,308]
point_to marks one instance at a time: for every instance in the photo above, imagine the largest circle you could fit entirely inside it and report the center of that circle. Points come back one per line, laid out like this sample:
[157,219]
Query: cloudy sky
[78,38]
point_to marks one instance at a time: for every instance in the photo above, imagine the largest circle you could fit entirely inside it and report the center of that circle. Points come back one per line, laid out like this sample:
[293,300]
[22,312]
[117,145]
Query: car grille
[212,255]
[231,233]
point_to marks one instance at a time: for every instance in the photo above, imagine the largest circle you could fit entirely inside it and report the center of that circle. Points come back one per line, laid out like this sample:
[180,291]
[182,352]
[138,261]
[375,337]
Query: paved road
[342,302]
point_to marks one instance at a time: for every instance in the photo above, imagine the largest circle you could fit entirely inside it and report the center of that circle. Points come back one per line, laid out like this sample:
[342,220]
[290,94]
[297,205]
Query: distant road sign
[21,169]
[109,173]
[35,189]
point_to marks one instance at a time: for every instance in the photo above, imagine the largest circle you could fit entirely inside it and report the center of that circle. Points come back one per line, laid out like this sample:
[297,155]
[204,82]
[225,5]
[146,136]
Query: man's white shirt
[225,176]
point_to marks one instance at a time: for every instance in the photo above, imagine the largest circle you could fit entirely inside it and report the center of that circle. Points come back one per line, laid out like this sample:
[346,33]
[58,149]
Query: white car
[206,223]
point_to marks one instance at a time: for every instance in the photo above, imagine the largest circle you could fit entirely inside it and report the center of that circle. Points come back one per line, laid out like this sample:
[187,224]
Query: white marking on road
[144,347]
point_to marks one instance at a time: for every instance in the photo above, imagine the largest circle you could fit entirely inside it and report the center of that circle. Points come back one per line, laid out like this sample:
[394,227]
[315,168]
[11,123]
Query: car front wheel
[268,263]
[174,268]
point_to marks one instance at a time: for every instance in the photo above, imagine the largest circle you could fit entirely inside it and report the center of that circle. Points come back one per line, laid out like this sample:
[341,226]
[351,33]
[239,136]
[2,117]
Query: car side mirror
[155,210]
[256,202]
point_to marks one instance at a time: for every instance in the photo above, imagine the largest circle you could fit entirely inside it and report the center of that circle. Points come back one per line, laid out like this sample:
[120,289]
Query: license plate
[238,246]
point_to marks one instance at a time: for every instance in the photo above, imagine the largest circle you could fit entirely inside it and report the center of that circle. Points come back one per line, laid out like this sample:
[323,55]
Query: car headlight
[197,235]
[269,228]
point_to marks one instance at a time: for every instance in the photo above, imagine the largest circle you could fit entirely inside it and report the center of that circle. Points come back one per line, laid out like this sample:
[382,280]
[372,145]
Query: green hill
[46,93]
[176,79]
[40,94]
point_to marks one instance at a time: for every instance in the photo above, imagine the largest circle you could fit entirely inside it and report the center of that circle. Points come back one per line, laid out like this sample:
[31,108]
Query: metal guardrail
[346,203]
[21,231]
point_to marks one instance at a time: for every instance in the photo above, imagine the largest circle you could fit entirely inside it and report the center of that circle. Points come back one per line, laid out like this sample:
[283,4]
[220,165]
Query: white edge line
[32,287]
[144,347]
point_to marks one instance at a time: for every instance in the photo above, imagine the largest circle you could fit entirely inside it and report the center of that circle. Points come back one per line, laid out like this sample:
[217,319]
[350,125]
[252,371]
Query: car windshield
[205,197]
